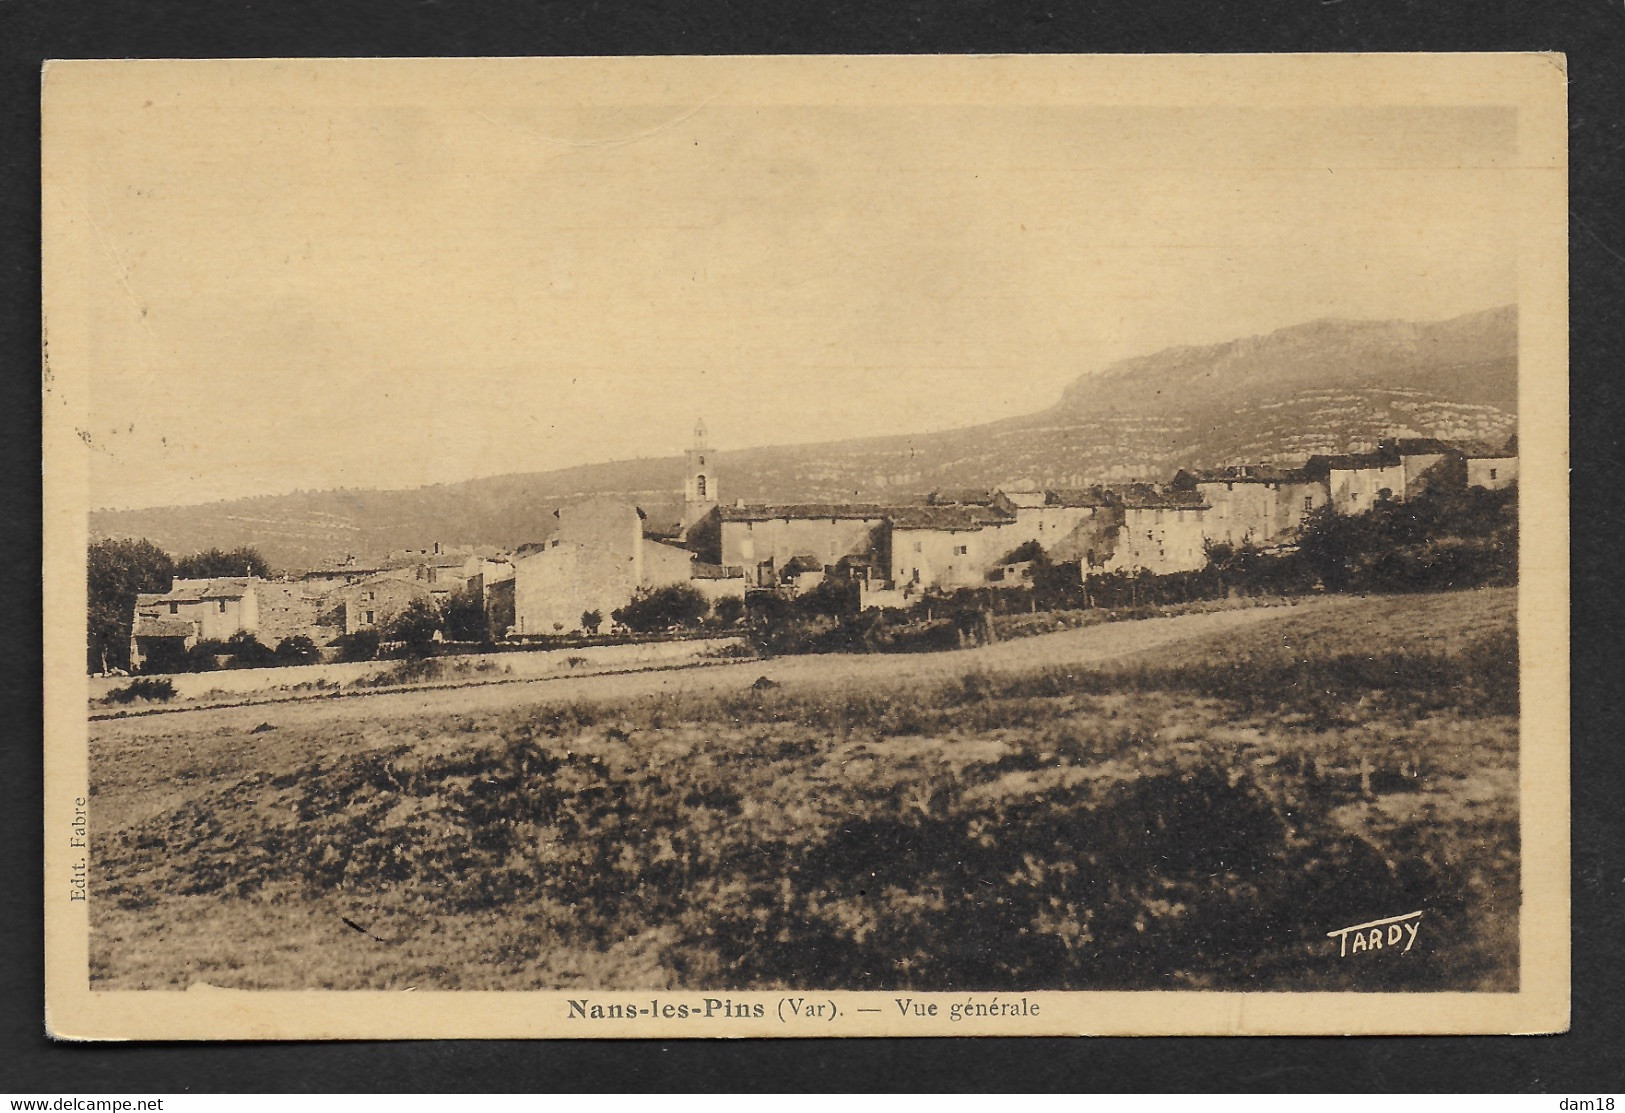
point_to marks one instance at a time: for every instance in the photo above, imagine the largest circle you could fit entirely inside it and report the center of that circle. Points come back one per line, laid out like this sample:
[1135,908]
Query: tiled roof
[1424,446]
[1248,473]
[184,591]
[700,570]
[1357,461]
[804,511]
[962,496]
[1088,496]
[1483,450]
[945,517]
[340,570]
[1164,500]
[164,628]
[803,562]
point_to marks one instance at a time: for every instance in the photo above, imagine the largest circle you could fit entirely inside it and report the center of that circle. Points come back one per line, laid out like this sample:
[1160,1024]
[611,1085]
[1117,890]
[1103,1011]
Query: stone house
[191,611]
[946,547]
[596,560]
[1358,481]
[371,604]
[1492,468]
[760,541]
[1420,455]
[490,580]
[1078,525]
[1162,532]
[716,582]
[288,609]
[1256,504]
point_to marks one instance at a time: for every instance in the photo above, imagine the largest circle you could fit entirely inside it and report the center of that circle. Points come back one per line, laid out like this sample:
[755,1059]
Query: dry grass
[1152,824]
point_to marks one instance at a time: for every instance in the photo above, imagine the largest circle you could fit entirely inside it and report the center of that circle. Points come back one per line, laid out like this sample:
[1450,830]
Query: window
[368,597]
[699,485]
[367,618]
[702,461]
[1308,503]
[222,606]
[174,608]
[1492,473]
[961,550]
[919,547]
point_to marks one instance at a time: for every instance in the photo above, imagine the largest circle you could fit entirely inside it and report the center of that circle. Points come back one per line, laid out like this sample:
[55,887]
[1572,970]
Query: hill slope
[1325,386]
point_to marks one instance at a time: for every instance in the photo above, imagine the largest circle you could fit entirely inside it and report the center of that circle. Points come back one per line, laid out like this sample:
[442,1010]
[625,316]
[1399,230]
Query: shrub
[359,646]
[834,595]
[591,621]
[415,627]
[205,656]
[248,652]
[464,618]
[147,688]
[1027,550]
[297,650]
[662,608]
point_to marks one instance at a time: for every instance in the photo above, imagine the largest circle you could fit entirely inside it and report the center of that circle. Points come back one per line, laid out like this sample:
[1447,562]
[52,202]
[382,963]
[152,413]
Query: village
[593,557]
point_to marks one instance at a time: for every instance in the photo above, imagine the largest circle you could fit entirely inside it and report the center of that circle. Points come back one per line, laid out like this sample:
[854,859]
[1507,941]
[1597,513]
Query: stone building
[1493,468]
[946,547]
[700,494]
[759,541]
[168,623]
[372,603]
[1161,532]
[1356,482]
[1256,504]
[593,562]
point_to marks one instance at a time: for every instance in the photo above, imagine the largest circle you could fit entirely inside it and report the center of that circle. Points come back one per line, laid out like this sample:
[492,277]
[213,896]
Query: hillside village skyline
[597,557]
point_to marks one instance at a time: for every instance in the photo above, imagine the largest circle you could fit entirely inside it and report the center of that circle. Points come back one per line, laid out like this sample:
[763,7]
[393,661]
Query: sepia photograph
[806,546]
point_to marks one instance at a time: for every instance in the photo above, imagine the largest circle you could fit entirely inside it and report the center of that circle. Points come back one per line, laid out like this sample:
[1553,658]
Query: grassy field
[1176,803]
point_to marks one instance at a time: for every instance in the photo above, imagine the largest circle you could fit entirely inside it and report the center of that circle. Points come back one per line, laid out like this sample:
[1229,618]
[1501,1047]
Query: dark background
[1592,34]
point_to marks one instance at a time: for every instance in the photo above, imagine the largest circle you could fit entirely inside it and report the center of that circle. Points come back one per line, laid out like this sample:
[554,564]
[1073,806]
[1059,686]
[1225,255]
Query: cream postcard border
[1533,84]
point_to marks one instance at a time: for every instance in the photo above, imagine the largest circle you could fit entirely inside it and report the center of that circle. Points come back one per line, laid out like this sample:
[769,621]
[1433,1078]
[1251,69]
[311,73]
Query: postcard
[805,546]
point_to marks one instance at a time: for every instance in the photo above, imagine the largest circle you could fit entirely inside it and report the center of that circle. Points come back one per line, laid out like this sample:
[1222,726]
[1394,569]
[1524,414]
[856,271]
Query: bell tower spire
[700,485]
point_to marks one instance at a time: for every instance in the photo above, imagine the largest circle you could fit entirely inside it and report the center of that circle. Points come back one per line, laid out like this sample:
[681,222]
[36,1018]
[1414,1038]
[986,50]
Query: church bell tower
[700,486]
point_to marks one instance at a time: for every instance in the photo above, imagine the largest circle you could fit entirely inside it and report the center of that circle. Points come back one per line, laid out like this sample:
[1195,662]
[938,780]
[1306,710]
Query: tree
[297,649]
[1027,550]
[242,561]
[663,608]
[117,571]
[729,610]
[465,618]
[359,646]
[416,626]
[591,621]
[248,652]
[834,596]
[204,656]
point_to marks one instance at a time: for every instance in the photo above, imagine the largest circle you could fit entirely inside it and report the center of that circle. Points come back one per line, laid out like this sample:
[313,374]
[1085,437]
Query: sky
[279,287]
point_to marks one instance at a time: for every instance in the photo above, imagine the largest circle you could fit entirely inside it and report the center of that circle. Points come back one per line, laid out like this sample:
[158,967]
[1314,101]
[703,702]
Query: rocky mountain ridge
[1323,387]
